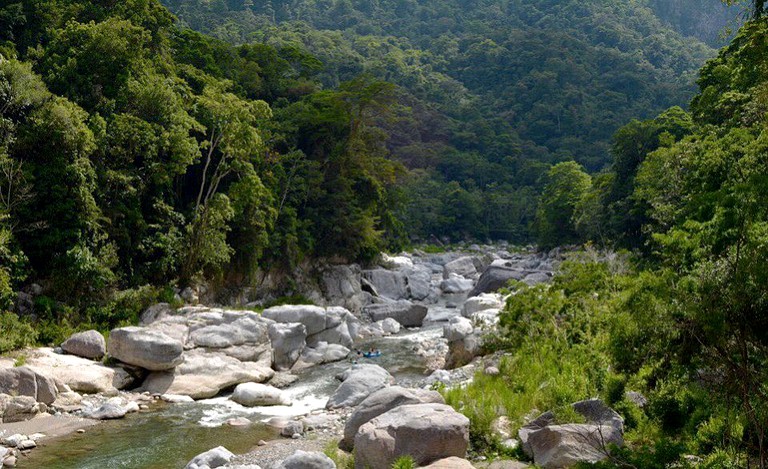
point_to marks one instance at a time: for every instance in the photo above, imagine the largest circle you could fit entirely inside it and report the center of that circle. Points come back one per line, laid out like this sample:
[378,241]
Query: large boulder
[288,341]
[87,344]
[24,381]
[456,284]
[256,395]
[358,382]
[426,432]
[312,317]
[80,374]
[216,457]
[387,283]
[383,401]
[205,374]
[307,460]
[496,277]
[324,353]
[145,348]
[463,266]
[404,312]
[482,302]
[559,446]
[552,445]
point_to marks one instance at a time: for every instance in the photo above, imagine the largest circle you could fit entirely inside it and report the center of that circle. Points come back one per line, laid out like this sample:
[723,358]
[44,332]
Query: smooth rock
[482,302]
[312,317]
[307,460]
[380,402]
[155,312]
[359,382]
[456,284]
[558,446]
[496,277]
[205,374]
[175,398]
[404,312]
[426,432]
[463,266]
[80,374]
[87,344]
[21,408]
[255,394]
[24,381]
[146,348]
[216,457]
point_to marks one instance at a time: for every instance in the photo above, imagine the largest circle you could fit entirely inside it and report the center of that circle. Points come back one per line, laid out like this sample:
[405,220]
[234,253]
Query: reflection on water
[163,439]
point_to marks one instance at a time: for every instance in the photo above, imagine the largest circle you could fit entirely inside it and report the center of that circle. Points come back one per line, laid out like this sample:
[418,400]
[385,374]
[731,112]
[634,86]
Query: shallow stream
[170,435]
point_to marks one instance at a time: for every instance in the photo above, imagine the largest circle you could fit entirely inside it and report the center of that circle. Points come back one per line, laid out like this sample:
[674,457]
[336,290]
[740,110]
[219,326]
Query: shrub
[16,333]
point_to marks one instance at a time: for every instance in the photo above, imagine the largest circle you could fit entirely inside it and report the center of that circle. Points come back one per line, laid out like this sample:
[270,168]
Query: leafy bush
[16,333]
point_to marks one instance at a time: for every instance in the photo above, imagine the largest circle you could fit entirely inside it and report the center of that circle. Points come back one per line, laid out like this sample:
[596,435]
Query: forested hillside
[137,154]
[682,323]
[496,91]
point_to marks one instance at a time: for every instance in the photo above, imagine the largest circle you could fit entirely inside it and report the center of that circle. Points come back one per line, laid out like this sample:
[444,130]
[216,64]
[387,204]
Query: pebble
[296,436]
[9,462]
[261,443]
[80,430]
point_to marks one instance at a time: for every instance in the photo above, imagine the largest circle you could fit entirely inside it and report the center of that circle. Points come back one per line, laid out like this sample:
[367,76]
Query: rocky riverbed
[291,375]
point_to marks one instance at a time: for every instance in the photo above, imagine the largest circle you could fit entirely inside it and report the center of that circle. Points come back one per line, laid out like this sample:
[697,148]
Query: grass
[343,460]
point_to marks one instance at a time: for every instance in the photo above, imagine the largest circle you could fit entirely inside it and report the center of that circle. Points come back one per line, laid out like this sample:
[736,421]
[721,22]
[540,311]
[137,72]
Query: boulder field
[197,352]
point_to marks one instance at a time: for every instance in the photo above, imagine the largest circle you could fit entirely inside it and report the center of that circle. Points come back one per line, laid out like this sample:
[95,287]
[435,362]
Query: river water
[169,435]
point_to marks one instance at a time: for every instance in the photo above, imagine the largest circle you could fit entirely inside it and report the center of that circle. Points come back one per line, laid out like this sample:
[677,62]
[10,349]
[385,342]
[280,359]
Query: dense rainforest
[137,154]
[492,92]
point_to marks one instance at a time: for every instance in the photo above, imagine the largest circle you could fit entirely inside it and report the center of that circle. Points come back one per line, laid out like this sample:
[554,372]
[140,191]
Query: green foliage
[404,462]
[340,458]
[17,333]
[567,184]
